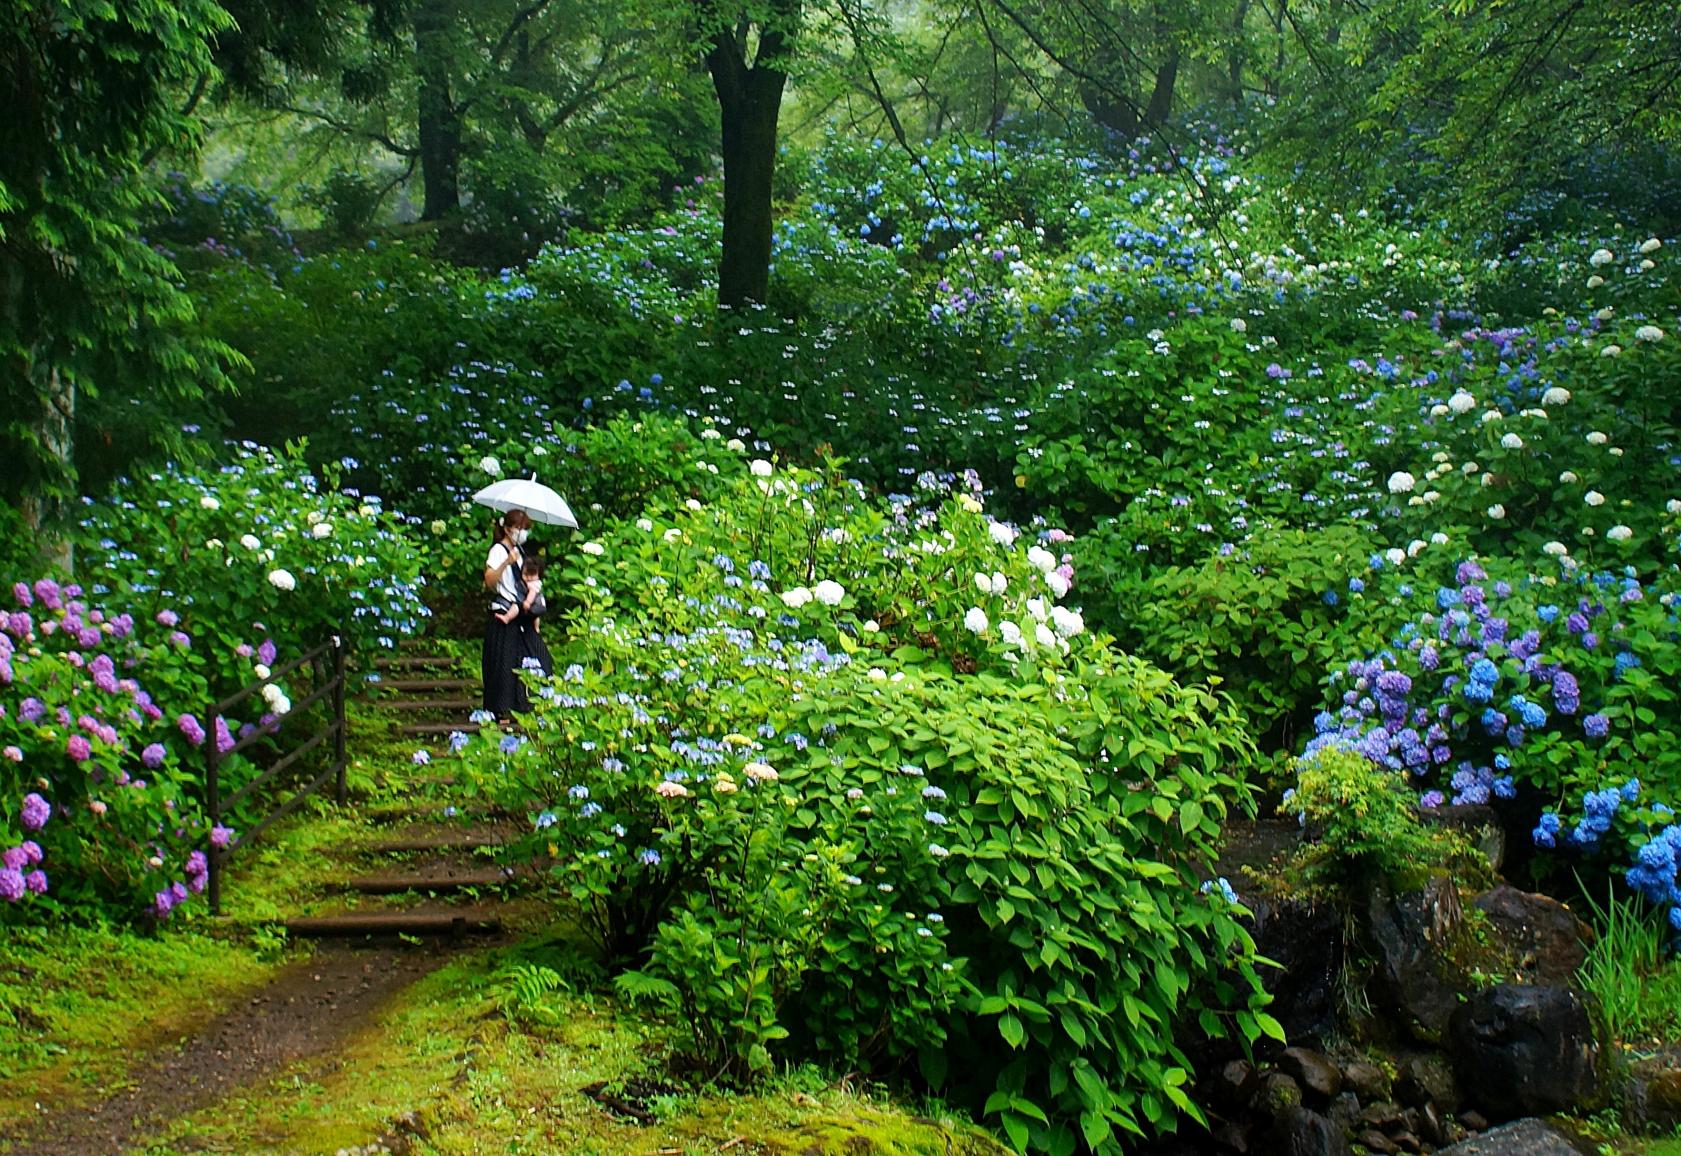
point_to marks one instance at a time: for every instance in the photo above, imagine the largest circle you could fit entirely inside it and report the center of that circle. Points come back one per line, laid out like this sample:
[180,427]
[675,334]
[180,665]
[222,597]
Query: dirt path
[308,1010]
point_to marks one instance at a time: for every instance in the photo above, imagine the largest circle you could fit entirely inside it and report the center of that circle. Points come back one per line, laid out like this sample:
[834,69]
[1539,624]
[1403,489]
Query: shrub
[767,774]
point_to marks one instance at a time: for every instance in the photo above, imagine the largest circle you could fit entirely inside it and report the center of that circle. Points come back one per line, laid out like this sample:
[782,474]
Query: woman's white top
[505,584]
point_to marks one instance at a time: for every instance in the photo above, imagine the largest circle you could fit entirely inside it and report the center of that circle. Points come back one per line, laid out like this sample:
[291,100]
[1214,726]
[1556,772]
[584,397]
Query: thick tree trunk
[750,102]
[1236,57]
[54,430]
[438,121]
[1161,96]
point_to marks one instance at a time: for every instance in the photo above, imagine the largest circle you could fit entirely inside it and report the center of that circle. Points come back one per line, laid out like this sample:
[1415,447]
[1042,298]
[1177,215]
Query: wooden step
[412,662]
[459,705]
[437,728]
[358,925]
[437,881]
[442,841]
[407,684]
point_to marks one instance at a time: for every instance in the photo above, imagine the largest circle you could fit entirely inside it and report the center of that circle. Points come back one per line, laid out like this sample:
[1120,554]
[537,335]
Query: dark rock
[1374,1141]
[1305,940]
[1312,1071]
[1407,1142]
[1344,1112]
[1383,1117]
[1368,1081]
[1427,1079]
[1430,1126]
[1652,1095]
[1480,825]
[1300,1132]
[1521,1138]
[1473,1120]
[1547,941]
[1233,1084]
[1280,1094]
[1526,1051]
[1233,1136]
[1413,934]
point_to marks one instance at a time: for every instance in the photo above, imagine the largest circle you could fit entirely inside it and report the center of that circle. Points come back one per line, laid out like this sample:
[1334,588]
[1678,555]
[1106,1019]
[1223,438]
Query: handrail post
[213,801]
[338,714]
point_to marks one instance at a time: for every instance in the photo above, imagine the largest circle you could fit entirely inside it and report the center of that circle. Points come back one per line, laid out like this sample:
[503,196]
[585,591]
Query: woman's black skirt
[504,652]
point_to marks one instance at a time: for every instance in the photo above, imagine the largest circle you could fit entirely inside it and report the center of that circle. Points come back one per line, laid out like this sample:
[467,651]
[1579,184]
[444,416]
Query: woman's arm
[493,574]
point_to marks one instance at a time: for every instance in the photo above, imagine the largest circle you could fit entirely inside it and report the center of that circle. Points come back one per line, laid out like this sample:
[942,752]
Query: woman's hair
[509,522]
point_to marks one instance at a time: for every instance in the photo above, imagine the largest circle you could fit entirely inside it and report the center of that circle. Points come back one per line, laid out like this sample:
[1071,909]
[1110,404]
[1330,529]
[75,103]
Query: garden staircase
[432,698]
[427,877]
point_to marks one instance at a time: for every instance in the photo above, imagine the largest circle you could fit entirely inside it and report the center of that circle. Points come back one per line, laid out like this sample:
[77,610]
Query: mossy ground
[441,1065]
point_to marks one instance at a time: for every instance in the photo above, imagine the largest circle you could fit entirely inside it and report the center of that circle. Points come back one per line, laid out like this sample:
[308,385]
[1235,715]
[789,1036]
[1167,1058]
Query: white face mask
[519,537]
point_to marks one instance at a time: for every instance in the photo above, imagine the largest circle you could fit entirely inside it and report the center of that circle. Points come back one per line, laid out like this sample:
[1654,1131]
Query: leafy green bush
[1363,822]
[830,799]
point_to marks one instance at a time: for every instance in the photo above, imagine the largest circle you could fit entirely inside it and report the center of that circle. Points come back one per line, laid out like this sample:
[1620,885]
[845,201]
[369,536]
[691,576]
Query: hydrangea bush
[800,762]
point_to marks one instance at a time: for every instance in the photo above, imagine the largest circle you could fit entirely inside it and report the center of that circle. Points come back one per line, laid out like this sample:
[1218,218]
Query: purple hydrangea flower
[153,755]
[1596,726]
[14,859]
[224,737]
[221,836]
[266,652]
[168,618]
[36,881]
[11,885]
[78,749]
[20,592]
[191,727]
[35,812]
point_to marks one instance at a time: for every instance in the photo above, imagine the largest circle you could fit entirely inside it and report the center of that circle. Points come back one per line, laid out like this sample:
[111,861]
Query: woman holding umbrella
[508,644]
[504,642]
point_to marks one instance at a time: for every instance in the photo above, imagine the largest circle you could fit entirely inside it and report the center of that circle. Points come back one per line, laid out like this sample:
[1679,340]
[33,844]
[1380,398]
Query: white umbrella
[536,499]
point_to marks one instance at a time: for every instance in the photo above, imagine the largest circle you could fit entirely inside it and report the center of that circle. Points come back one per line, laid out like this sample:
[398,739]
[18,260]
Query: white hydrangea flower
[250,542]
[1596,438]
[1496,512]
[1036,607]
[736,445]
[1511,442]
[490,465]
[1492,415]
[1606,313]
[1438,539]
[1594,498]
[645,525]
[1415,547]
[1650,245]
[1042,559]
[999,582]
[829,592]
[209,502]
[1619,533]
[1438,410]
[282,580]
[1601,258]
[1462,402]
[796,598]
[975,621]
[710,434]
[438,526]
[1568,478]
[1395,555]
[760,468]
[1556,549]
[1239,325]
[1648,333]
[1673,505]
[983,583]
[1009,632]
[1044,635]
[1555,395]
[1595,281]
[593,549]
[1611,351]
[1401,482]
[1068,623]
[672,534]
[1469,468]
[1002,533]
[1648,265]
[322,530]
[1057,583]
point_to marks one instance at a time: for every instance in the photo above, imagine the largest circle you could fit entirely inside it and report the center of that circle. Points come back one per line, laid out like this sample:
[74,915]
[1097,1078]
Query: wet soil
[308,1010]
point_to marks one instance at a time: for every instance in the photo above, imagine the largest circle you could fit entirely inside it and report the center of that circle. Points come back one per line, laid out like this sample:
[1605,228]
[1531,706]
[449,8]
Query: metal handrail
[332,688]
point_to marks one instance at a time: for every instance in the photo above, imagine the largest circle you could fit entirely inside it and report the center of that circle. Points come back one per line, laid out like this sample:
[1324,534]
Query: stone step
[436,881]
[362,924]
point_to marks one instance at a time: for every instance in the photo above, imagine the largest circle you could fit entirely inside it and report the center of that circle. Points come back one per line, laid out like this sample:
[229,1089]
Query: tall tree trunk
[750,103]
[1237,56]
[54,429]
[1161,96]
[438,119]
